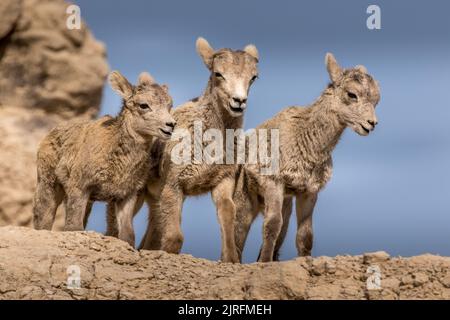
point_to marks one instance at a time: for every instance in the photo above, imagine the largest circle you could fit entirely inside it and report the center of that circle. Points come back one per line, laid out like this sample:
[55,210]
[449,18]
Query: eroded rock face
[9,11]
[48,74]
[34,265]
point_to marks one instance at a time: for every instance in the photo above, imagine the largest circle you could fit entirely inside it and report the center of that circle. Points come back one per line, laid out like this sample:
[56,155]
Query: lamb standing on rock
[308,137]
[221,107]
[103,160]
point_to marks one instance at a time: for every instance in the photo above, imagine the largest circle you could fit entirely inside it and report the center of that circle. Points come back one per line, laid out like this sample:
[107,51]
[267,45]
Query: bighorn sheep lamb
[103,160]
[220,107]
[307,137]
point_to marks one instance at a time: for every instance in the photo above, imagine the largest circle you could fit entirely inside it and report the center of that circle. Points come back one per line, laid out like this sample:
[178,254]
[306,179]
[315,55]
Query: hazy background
[390,191]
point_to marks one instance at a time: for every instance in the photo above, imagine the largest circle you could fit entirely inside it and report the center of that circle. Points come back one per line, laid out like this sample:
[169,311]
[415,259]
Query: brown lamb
[103,160]
[220,107]
[307,138]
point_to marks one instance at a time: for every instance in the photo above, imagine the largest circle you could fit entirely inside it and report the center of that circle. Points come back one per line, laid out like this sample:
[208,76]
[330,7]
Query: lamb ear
[145,79]
[120,84]
[334,70]
[361,68]
[205,51]
[251,50]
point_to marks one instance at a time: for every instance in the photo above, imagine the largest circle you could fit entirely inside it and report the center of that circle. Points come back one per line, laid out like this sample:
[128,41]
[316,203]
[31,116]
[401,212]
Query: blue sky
[390,191]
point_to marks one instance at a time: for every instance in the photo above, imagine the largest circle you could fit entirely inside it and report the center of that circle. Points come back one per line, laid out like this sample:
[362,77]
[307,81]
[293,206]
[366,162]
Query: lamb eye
[144,106]
[352,96]
[218,75]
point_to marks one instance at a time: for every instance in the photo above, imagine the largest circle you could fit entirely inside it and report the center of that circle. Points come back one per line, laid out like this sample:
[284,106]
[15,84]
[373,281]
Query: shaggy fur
[307,139]
[221,107]
[103,160]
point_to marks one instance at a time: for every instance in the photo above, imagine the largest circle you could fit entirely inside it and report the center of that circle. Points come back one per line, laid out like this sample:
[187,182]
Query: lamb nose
[171,124]
[239,100]
[373,123]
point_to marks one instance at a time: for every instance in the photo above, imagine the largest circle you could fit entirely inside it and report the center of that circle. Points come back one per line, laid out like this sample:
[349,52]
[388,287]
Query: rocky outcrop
[48,74]
[37,264]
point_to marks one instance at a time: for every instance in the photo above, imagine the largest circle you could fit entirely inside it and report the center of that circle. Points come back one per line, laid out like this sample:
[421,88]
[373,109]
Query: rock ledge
[34,265]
